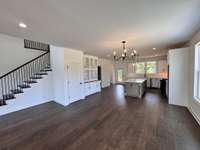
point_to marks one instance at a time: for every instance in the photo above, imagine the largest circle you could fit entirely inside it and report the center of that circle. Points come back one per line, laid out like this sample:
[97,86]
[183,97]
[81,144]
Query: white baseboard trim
[194,115]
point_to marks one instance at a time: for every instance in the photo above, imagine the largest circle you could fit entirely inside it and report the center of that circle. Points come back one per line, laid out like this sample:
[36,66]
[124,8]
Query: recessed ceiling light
[22,25]
[154,48]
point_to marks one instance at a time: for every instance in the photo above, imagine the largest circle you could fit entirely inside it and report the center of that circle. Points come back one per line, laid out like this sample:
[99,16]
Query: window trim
[196,72]
[145,68]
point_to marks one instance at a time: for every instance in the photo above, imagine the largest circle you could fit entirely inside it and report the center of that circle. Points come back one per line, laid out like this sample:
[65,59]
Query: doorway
[120,74]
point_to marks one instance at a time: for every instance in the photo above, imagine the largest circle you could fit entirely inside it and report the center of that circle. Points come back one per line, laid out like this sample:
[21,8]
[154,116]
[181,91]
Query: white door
[74,82]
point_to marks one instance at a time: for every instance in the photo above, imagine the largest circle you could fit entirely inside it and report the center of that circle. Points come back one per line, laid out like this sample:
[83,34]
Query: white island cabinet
[135,87]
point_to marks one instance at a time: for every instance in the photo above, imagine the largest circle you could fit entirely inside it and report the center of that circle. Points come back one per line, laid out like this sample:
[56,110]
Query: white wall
[13,54]
[193,105]
[39,93]
[179,76]
[188,74]
[59,83]
[107,72]
[60,58]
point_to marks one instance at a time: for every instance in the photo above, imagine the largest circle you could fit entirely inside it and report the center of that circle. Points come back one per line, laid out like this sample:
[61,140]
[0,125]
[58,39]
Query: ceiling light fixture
[22,25]
[124,55]
[154,48]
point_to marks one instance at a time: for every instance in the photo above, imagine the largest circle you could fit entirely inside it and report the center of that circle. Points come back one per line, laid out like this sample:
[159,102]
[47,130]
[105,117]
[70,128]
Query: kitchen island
[135,87]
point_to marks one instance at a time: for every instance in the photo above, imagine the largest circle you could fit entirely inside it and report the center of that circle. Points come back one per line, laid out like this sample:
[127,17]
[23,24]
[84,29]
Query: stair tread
[30,81]
[23,86]
[36,77]
[41,73]
[8,96]
[17,91]
[46,70]
[47,67]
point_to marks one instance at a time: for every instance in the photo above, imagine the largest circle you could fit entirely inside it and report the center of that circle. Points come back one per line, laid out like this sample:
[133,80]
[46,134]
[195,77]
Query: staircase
[23,77]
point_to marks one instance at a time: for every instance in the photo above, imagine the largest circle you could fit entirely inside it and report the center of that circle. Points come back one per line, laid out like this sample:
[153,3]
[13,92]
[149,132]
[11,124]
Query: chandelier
[124,55]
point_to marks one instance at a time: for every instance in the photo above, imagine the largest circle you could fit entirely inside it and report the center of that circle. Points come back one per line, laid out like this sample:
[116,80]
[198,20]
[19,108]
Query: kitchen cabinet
[92,84]
[92,87]
[90,68]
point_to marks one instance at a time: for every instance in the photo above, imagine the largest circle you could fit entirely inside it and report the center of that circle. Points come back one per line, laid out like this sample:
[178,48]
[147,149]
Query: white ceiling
[98,26]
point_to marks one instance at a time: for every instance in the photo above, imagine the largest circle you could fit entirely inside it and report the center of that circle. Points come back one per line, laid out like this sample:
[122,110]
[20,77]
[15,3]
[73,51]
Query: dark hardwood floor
[104,121]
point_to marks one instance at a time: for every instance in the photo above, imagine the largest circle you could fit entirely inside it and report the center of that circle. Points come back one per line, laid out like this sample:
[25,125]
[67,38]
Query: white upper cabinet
[90,75]
[86,62]
[90,68]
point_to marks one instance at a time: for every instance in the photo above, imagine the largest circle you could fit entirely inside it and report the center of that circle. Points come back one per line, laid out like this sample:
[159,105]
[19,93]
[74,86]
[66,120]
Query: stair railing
[14,81]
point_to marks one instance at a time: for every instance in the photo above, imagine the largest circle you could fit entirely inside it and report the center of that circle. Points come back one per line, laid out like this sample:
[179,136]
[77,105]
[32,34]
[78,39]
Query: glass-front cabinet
[90,68]
[86,62]
[86,75]
[92,84]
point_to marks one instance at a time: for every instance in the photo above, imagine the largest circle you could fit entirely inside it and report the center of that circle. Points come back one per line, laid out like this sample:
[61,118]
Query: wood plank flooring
[104,121]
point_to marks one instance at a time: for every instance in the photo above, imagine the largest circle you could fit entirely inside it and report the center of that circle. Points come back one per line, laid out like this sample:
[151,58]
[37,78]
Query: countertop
[135,81]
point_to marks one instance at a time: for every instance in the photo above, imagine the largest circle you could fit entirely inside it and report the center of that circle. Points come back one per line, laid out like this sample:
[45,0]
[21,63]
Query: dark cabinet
[163,85]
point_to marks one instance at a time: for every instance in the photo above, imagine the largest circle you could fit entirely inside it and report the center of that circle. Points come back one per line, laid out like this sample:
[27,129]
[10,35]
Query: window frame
[197,73]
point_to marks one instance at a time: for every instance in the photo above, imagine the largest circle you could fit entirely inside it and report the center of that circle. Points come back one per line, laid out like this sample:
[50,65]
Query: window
[197,73]
[140,68]
[151,67]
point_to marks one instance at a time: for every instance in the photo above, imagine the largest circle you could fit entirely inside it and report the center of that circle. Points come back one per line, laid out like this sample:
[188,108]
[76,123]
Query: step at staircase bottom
[17,91]
[24,86]
[2,102]
[8,96]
